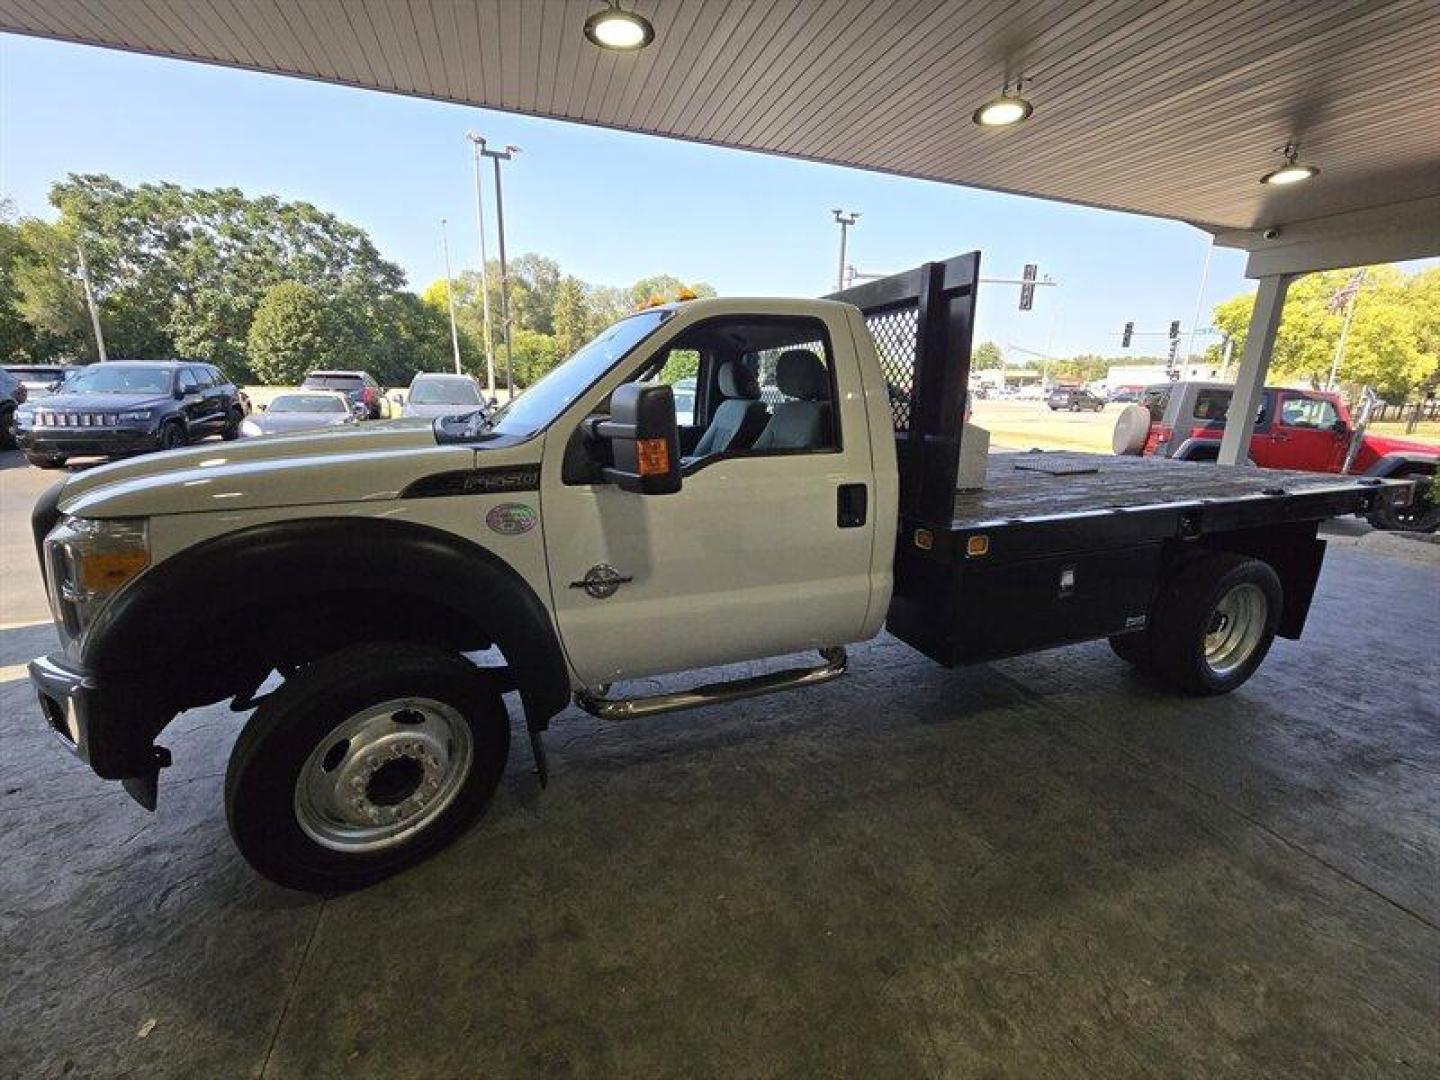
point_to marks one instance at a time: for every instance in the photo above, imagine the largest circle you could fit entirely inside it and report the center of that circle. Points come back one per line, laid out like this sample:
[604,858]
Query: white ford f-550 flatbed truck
[585,538]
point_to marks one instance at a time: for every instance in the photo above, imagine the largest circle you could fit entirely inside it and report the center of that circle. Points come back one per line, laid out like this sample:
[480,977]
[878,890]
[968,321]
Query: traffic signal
[1174,329]
[1125,337]
[1027,290]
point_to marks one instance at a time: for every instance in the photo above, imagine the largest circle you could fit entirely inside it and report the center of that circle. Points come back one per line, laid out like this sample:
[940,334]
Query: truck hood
[1385,444]
[374,460]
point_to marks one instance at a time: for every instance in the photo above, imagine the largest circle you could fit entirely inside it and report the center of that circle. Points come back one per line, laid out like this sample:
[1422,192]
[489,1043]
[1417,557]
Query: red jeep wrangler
[1308,430]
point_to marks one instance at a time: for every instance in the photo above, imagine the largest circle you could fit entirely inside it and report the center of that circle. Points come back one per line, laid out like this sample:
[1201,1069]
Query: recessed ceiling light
[1006,110]
[619,31]
[1003,111]
[1292,172]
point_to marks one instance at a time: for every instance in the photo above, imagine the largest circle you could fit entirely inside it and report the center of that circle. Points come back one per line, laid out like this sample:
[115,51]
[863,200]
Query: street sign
[1027,290]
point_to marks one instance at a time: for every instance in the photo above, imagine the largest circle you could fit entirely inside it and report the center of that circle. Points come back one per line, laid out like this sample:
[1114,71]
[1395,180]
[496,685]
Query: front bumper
[91,442]
[99,722]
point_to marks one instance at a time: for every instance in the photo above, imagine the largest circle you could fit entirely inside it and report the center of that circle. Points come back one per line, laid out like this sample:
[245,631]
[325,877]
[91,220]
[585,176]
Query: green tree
[292,332]
[534,355]
[987,355]
[181,271]
[48,296]
[1394,339]
[570,316]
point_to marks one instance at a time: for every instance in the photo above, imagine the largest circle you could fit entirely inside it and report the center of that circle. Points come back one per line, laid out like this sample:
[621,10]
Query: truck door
[1303,434]
[767,547]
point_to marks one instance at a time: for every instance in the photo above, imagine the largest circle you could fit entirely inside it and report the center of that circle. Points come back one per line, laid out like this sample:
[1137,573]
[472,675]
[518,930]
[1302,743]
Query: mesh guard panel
[895,333]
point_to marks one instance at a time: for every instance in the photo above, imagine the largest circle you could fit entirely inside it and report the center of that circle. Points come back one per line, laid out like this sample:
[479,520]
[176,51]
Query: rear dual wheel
[364,763]
[1212,626]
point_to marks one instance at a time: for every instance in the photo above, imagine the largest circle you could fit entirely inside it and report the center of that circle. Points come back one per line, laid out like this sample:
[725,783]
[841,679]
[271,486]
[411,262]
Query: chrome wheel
[1237,626]
[383,775]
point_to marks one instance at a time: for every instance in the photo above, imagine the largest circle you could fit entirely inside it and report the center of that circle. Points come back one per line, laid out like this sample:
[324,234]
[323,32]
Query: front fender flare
[284,564]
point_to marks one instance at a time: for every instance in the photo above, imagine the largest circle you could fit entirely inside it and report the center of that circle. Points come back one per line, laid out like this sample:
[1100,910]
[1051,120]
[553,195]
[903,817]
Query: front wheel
[172,436]
[1421,516]
[1214,623]
[231,431]
[7,429]
[363,764]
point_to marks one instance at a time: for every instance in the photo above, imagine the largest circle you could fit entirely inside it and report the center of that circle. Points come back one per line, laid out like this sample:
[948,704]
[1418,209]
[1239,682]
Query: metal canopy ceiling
[1170,108]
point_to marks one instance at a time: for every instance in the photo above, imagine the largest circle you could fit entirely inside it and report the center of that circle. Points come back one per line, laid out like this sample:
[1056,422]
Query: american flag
[1346,294]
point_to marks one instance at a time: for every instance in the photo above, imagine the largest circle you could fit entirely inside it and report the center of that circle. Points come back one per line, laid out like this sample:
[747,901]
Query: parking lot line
[13,673]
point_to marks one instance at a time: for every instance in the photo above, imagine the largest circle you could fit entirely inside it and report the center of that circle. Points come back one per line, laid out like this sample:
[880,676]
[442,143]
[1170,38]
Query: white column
[1254,366]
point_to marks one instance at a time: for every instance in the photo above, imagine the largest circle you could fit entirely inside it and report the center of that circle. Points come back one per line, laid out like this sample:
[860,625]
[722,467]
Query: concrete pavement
[1040,867]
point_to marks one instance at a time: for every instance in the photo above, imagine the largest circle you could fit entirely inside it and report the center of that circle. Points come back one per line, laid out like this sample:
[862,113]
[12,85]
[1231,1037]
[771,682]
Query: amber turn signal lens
[106,571]
[977,546]
[653,456]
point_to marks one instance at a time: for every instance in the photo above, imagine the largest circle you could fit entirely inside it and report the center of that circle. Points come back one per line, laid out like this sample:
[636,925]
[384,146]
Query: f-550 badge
[510,519]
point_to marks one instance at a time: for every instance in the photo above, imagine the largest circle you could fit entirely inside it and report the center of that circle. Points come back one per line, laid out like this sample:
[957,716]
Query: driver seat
[739,419]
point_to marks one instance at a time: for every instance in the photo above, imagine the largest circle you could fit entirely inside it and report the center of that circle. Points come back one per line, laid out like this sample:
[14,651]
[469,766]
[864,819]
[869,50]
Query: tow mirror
[644,440]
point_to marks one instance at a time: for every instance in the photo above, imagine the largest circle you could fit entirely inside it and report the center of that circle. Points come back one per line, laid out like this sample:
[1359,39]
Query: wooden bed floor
[1036,484]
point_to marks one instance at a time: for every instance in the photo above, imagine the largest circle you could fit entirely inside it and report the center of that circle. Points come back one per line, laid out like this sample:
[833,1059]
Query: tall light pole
[479,145]
[90,303]
[449,295]
[497,156]
[844,220]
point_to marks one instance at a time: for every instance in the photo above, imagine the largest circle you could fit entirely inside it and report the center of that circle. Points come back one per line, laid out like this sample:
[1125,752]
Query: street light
[498,156]
[844,220]
[450,296]
[479,145]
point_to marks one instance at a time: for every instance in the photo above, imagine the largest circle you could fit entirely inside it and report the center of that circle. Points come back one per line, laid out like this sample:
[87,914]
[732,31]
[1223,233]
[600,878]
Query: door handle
[851,505]
[1277,437]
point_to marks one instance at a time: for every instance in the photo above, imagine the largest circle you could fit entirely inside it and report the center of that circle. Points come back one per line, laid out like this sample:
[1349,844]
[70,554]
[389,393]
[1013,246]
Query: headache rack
[923,321]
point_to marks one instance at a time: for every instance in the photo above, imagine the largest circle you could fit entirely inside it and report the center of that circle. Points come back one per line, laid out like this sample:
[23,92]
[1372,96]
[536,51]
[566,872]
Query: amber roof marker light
[617,30]
[1292,172]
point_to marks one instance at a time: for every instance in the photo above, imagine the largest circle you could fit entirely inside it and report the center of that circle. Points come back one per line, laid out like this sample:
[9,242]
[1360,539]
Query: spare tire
[1132,428]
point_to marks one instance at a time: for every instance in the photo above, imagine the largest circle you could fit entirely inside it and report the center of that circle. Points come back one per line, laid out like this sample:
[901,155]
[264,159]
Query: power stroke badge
[510,519]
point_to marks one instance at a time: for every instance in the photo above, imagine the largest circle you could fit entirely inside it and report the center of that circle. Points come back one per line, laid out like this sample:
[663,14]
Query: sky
[609,206]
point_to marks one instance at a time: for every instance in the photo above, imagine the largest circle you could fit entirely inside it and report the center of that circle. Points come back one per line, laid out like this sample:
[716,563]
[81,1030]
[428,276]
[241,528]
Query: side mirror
[262,407]
[1340,427]
[644,439]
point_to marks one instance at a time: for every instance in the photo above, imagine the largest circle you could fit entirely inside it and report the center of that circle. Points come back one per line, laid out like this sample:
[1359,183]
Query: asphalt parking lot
[1039,867]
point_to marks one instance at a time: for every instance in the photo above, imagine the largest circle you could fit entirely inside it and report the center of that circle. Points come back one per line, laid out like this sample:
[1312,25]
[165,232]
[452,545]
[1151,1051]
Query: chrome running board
[607,708]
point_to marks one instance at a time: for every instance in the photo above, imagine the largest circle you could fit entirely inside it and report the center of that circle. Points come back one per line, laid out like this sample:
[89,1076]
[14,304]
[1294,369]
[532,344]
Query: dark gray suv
[120,408]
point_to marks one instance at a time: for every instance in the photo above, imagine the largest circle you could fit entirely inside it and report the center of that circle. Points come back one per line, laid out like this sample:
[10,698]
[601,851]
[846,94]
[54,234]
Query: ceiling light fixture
[1007,110]
[1292,172]
[618,31]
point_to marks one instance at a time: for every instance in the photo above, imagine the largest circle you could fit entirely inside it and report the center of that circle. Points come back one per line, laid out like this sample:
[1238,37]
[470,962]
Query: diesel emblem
[601,582]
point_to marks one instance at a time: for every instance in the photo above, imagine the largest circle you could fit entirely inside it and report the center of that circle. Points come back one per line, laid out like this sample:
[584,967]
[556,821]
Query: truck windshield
[538,406]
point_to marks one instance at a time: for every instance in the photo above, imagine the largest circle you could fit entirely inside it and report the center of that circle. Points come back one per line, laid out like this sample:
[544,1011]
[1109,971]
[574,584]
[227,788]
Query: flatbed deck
[1035,486]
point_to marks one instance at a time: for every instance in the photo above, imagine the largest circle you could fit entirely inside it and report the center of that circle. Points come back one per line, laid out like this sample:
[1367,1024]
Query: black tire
[172,436]
[1421,516]
[1186,613]
[1134,649]
[269,760]
[45,461]
[231,431]
[7,429]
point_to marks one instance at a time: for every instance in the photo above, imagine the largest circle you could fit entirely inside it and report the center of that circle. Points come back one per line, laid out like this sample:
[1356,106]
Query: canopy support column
[1254,366]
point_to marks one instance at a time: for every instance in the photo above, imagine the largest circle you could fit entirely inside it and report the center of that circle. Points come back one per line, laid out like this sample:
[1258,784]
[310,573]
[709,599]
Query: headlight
[89,561]
[136,416]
